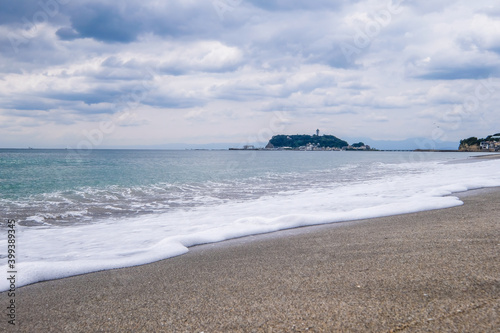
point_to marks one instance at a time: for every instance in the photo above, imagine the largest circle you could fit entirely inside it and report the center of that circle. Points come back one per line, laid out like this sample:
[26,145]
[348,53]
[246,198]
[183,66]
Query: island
[305,142]
[314,142]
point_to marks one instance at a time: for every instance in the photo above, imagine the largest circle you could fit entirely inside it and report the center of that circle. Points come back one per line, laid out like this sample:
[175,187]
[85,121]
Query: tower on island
[317,132]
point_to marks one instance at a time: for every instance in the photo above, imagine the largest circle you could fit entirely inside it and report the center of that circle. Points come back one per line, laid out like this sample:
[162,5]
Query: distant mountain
[183,146]
[407,144]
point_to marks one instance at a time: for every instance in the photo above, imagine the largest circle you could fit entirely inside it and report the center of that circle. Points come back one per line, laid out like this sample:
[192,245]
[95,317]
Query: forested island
[296,141]
[312,142]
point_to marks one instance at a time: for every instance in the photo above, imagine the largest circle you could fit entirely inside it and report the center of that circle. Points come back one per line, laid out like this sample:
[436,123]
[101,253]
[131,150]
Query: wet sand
[490,156]
[423,272]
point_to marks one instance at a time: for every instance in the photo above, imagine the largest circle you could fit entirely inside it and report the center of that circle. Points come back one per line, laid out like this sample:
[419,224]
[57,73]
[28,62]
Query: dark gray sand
[434,271]
[490,156]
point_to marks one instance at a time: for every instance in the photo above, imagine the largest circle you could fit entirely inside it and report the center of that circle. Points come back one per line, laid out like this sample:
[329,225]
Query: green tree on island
[473,142]
[298,140]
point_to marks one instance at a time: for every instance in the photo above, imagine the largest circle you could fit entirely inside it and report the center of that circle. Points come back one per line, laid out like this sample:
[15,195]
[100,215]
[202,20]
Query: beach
[428,271]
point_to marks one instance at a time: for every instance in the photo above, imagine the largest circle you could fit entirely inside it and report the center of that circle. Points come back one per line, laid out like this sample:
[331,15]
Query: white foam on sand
[45,253]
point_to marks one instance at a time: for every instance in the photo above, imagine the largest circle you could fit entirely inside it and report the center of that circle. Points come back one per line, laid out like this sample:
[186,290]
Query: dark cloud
[126,95]
[13,12]
[27,103]
[125,21]
[67,34]
[423,7]
[111,21]
[89,97]
[279,5]
[173,101]
[342,54]
[106,22]
[495,49]
[458,73]
[492,11]
[30,15]
[290,52]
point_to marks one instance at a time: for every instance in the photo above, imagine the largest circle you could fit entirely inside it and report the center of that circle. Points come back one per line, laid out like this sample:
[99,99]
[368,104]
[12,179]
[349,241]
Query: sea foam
[51,252]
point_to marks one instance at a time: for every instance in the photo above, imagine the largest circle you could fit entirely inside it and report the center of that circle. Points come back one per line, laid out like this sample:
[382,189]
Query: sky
[95,74]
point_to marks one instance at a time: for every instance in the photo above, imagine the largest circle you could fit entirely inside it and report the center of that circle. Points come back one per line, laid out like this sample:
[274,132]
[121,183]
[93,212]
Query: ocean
[79,212]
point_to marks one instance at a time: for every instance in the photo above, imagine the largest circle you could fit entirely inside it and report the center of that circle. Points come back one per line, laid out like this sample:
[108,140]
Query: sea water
[79,212]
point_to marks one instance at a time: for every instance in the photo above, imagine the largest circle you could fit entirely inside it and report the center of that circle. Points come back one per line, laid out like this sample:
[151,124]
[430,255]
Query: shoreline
[362,275]
[492,155]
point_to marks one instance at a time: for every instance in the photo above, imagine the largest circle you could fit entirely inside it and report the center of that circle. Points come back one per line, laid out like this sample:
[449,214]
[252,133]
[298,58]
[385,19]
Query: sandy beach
[490,156]
[422,272]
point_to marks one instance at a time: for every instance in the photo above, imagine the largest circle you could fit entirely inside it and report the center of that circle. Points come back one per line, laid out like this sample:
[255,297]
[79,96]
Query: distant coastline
[489,144]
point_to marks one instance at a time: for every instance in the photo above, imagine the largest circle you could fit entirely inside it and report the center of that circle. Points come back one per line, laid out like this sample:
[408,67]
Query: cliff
[474,144]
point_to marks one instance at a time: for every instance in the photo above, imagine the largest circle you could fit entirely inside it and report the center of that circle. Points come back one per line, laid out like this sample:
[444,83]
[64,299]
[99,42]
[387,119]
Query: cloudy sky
[145,73]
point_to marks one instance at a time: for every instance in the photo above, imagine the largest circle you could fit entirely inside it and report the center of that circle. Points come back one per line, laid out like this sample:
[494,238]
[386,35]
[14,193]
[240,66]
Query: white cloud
[178,72]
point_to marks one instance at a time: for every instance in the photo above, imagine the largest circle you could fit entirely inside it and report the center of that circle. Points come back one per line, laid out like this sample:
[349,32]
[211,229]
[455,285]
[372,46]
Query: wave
[51,252]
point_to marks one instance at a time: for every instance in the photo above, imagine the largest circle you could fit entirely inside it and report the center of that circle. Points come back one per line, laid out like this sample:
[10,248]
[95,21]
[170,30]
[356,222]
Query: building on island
[490,145]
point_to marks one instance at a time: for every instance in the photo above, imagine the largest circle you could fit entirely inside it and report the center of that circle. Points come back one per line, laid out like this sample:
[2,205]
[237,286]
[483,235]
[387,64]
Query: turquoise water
[64,186]
[34,181]
[28,172]
[103,209]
